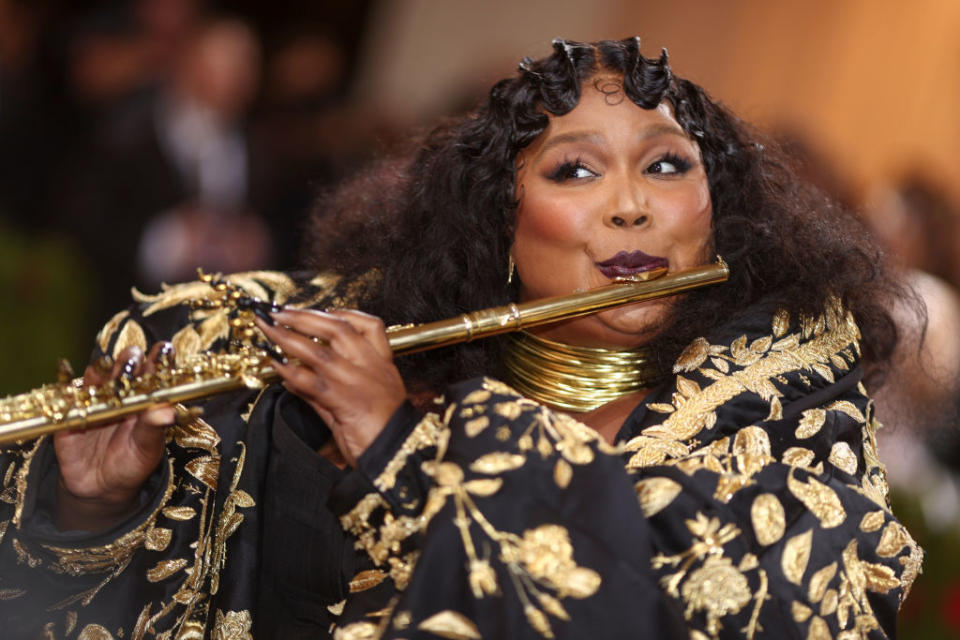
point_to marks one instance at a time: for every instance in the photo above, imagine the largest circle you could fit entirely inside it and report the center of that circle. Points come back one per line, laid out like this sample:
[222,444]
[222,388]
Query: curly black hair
[438,222]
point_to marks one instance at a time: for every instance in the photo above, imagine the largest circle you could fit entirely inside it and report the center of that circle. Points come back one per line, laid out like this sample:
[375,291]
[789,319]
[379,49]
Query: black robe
[744,499]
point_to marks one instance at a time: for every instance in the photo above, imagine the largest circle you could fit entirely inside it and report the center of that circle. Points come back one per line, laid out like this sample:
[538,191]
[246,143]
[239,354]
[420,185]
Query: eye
[571,170]
[669,164]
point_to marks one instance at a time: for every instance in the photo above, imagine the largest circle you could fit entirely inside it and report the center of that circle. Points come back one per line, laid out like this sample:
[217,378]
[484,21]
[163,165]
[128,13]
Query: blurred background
[140,139]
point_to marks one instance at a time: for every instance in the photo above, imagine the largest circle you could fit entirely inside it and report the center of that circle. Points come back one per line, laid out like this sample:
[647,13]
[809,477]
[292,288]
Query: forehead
[604,110]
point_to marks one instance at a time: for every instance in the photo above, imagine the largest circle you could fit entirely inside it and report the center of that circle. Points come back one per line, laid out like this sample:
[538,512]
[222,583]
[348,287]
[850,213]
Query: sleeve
[500,518]
[166,567]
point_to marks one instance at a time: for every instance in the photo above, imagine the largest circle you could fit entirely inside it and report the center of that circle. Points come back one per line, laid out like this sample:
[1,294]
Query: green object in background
[45,293]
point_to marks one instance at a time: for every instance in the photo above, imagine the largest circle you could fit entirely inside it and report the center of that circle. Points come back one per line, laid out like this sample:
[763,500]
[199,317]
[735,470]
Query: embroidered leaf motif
[893,539]
[475,397]
[738,348]
[576,452]
[538,620]
[484,487]
[552,606]
[544,447]
[848,408]
[187,343]
[103,338]
[242,499]
[206,469]
[811,421]
[798,457]
[843,457]
[781,323]
[711,373]
[476,426]
[157,539]
[131,335]
[655,494]
[800,611]
[497,462]
[721,364]
[562,473]
[367,580]
[872,521]
[693,356]
[687,388]
[768,518]
[820,581]
[165,568]
[196,434]
[451,624]
[761,345]
[796,554]
[660,407]
[819,630]
[179,513]
[880,578]
[509,410]
[828,606]
[216,327]
[824,371]
[821,500]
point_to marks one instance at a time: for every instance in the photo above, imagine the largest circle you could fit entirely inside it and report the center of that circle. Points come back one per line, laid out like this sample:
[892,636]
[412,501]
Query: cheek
[693,213]
[548,222]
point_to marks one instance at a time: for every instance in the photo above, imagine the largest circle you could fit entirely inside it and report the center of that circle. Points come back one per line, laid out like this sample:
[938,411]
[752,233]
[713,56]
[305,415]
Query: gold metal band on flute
[75,405]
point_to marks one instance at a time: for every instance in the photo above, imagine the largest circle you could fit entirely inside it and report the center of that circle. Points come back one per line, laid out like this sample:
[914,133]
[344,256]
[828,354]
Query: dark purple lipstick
[629,263]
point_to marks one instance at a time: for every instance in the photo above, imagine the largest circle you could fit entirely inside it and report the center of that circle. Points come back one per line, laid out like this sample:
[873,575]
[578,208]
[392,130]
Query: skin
[633,181]
[624,189]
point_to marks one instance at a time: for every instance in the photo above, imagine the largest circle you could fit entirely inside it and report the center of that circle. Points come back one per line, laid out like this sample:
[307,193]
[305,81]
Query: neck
[577,380]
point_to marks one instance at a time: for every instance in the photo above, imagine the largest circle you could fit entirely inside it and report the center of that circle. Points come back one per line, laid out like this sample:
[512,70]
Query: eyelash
[682,164]
[566,170]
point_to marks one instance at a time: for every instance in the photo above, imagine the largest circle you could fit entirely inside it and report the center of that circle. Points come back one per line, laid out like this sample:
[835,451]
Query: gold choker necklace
[577,379]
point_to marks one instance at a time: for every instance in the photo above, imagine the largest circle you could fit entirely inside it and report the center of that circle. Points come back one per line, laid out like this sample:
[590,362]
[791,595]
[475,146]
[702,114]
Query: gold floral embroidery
[106,333]
[655,494]
[131,335]
[110,556]
[821,500]
[796,554]
[843,457]
[94,632]
[451,624]
[232,625]
[428,433]
[768,518]
[811,422]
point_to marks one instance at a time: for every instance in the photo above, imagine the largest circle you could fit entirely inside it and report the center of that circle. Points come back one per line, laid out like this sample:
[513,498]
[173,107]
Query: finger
[161,354]
[296,345]
[340,334]
[369,326]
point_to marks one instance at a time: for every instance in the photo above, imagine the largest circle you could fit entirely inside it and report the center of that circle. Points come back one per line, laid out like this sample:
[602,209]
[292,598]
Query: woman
[743,496]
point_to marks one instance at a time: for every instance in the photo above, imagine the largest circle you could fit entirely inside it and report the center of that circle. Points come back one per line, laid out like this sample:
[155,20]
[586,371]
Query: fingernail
[263,315]
[165,355]
[276,355]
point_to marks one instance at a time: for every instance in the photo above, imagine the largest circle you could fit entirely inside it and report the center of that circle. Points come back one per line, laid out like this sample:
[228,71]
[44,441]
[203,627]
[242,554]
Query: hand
[346,375]
[103,468]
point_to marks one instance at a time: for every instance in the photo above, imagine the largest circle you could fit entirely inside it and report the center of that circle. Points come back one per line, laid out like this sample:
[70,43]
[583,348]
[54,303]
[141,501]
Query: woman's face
[609,189]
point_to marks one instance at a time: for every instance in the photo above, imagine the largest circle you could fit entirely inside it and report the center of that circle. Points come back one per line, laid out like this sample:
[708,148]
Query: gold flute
[76,405]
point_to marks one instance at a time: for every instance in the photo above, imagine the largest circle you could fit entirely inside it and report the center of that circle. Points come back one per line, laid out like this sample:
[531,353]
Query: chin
[622,328]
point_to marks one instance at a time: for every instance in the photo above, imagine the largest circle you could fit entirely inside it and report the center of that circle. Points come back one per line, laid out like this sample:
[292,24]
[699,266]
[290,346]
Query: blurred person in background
[165,184]
[920,226]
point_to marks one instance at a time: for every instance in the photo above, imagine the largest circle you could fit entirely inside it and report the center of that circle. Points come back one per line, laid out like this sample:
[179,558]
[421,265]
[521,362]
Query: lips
[629,263]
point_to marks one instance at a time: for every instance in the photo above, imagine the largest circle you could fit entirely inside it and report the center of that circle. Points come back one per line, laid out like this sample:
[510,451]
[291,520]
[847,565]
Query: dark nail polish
[276,355]
[263,315]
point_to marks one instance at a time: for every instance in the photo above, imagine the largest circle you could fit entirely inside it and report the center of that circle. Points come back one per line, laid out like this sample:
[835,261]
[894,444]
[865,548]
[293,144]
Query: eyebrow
[594,137]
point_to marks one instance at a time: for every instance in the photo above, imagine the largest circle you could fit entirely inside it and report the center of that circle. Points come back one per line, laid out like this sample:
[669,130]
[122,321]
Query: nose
[627,205]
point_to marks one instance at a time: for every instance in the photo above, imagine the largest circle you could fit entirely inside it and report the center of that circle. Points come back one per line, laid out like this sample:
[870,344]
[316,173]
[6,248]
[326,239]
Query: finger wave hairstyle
[438,221]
